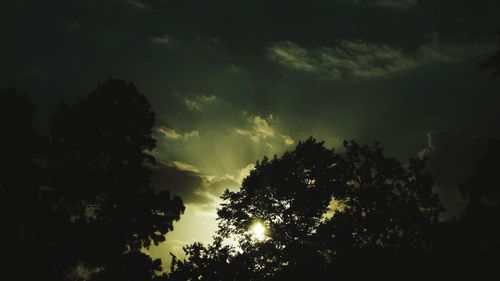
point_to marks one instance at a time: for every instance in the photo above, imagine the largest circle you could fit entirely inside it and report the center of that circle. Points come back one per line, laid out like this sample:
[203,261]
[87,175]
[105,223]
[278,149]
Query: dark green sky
[232,81]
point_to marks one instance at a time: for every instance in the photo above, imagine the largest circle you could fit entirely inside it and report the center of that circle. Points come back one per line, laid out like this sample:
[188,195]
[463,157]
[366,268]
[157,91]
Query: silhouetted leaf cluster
[79,198]
[384,223]
[350,213]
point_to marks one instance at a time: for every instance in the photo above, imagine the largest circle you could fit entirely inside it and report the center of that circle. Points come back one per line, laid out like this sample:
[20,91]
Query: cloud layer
[363,60]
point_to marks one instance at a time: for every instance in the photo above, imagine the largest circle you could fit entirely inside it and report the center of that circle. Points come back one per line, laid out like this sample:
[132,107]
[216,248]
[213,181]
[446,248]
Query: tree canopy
[350,212]
[81,196]
[27,219]
[325,211]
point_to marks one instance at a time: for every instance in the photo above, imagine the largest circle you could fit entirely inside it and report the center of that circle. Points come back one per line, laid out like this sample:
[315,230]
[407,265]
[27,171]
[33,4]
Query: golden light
[259,231]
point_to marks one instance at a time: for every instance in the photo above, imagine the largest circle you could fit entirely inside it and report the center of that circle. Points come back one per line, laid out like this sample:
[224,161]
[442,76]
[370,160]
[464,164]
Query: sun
[259,231]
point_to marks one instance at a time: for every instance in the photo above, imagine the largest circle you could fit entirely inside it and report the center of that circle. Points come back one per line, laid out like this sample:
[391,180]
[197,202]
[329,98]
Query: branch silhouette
[80,198]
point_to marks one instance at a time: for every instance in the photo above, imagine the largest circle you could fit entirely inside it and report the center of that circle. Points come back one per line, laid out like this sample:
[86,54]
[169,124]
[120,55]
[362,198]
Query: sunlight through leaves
[258,231]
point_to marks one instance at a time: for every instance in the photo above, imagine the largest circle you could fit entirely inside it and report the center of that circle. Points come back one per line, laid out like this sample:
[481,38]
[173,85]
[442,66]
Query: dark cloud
[218,186]
[354,60]
[180,180]
[186,181]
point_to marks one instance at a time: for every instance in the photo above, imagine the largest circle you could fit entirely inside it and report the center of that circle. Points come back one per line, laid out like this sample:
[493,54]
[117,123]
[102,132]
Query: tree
[472,241]
[98,165]
[80,197]
[477,232]
[30,224]
[208,263]
[479,225]
[326,211]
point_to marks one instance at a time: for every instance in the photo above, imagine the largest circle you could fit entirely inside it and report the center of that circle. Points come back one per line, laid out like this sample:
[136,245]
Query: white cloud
[263,130]
[165,40]
[199,102]
[171,134]
[293,56]
[185,167]
[260,129]
[287,139]
[244,172]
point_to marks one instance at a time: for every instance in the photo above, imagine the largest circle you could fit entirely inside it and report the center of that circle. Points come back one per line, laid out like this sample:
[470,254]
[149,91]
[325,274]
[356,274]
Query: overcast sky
[234,80]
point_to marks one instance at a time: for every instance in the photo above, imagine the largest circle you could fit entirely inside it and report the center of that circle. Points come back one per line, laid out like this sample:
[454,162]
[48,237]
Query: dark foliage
[384,222]
[384,218]
[80,198]
[29,223]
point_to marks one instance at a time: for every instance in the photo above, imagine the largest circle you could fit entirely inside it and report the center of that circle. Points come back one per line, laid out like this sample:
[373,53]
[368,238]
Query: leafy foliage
[385,211]
[29,223]
[80,198]
[103,142]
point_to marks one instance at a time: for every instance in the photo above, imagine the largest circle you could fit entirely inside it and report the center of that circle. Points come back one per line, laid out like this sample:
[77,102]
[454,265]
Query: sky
[232,81]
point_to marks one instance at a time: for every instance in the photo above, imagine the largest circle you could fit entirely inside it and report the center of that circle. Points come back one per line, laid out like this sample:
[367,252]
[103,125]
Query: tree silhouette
[383,218]
[80,197]
[479,226]
[212,262]
[31,237]
[99,172]
[471,242]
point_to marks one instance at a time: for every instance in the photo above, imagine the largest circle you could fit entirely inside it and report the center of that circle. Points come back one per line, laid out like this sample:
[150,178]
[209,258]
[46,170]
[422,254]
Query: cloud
[201,195]
[185,167]
[138,4]
[164,40]
[162,251]
[441,49]
[287,139]
[360,60]
[216,186]
[397,4]
[199,102]
[293,56]
[260,129]
[208,43]
[244,172]
[181,179]
[171,134]
[348,59]
[197,190]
